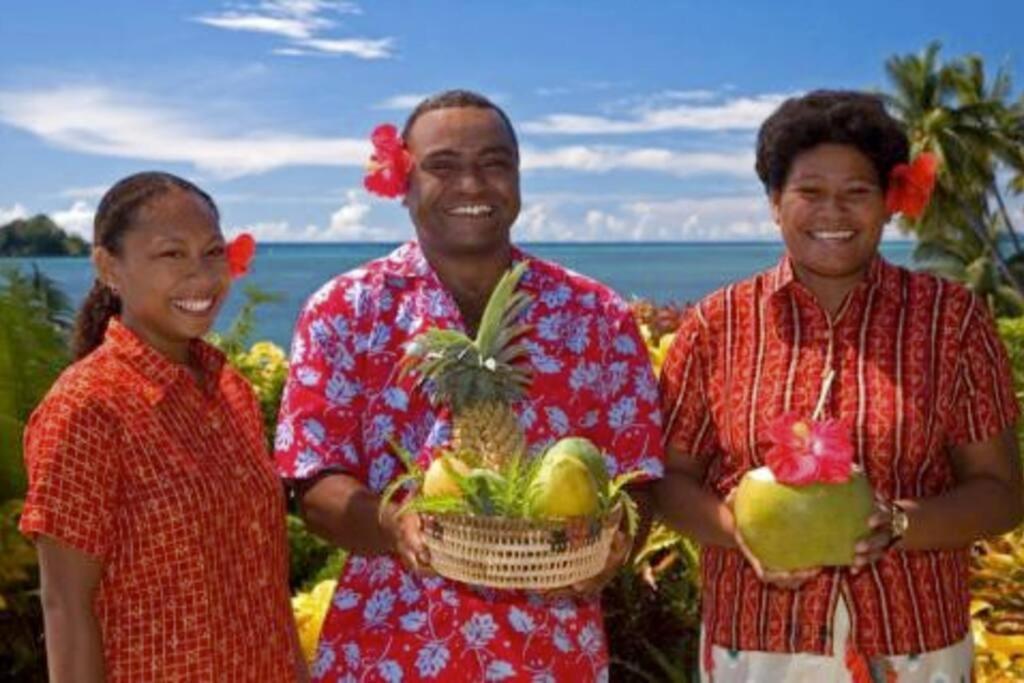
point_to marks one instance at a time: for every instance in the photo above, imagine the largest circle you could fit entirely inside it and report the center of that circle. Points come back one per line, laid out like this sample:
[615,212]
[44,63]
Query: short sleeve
[685,404]
[629,429]
[319,424]
[72,455]
[984,401]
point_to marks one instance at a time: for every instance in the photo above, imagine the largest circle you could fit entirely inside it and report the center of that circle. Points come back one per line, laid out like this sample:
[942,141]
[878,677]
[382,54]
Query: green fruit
[589,454]
[797,527]
[563,487]
[438,482]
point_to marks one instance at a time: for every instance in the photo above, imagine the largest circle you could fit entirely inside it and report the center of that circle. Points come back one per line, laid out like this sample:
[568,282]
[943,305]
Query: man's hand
[406,532]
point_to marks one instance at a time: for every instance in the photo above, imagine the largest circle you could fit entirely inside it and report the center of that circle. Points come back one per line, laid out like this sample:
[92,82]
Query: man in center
[345,401]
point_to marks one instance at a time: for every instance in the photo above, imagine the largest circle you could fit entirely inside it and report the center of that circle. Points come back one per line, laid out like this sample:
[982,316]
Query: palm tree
[955,112]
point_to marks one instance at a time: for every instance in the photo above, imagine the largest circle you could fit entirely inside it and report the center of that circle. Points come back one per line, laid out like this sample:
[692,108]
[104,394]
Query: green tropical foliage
[963,116]
[33,351]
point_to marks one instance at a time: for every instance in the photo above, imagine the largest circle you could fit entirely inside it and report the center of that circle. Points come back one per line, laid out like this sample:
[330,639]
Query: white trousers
[951,664]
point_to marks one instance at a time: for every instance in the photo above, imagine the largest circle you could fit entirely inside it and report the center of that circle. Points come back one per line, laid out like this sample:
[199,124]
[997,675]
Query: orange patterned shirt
[167,482]
[918,368]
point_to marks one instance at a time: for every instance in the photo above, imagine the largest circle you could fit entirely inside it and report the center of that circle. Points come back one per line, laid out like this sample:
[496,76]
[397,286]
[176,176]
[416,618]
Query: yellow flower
[310,610]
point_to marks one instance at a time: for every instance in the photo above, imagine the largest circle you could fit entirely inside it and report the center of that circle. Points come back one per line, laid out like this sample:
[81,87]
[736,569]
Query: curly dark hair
[844,117]
[449,99]
[114,217]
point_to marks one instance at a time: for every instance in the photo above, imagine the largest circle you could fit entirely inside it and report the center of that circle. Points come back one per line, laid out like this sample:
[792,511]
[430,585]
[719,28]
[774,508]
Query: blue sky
[637,119]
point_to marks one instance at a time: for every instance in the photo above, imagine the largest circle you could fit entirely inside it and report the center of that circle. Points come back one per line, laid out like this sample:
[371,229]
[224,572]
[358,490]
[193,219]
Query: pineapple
[479,378]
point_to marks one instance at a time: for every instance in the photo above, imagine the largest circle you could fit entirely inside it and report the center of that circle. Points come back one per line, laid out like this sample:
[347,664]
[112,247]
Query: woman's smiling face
[831,211]
[171,273]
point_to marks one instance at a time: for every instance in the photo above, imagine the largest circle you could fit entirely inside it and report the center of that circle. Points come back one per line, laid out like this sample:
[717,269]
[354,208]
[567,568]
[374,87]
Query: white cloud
[281,26]
[684,219]
[12,214]
[346,224]
[742,113]
[364,48]
[303,22]
[100,121]
[403,102]
[76,220]
[601,159]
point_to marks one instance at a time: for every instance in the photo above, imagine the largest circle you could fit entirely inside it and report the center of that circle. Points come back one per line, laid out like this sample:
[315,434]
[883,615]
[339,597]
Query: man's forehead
[462,127]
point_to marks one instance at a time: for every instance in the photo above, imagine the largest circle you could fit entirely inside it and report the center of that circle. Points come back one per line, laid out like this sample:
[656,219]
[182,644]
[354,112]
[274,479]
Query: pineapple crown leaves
[466,371]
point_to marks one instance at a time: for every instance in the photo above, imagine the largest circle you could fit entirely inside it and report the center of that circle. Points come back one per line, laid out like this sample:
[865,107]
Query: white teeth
[194,305]
[834,235]
[471,210]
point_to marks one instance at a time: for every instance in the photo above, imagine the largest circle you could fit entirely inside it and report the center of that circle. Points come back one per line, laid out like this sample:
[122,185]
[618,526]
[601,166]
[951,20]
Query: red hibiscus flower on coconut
[808,451]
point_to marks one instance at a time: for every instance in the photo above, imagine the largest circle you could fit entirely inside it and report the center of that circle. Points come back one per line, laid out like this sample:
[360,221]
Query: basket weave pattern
[519,554]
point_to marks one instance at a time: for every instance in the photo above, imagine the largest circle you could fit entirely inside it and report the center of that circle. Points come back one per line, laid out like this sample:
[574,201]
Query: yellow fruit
[437,481]
[564,487]
[589,454]
[796,527]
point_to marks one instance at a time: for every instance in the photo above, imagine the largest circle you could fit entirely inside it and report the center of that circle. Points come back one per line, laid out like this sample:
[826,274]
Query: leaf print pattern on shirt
[384,621]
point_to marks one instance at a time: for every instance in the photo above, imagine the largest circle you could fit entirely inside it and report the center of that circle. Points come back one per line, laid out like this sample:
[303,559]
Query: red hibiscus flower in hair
[911,185]
[239,252]
[809,451]
[387,174]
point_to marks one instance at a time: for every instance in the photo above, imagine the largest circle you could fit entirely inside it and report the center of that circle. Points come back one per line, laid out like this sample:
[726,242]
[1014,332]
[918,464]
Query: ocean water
[659,271]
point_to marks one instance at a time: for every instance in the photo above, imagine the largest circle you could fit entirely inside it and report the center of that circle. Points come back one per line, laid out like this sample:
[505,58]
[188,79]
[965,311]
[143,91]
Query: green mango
[798,527]
[588,453]
[564,487]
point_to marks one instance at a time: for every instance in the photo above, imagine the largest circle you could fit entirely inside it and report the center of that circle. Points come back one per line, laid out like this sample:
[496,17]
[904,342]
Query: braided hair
[115,217]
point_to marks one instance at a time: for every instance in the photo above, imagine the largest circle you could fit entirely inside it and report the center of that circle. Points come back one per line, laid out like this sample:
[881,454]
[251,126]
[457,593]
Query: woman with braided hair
[155,509]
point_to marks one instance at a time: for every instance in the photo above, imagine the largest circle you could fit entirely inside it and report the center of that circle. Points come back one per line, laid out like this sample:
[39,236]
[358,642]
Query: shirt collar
[158,374]
[409,261]
[881,276]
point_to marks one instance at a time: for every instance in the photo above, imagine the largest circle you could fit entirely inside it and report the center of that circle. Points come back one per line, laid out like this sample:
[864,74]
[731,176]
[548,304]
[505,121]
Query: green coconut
[798,527]
[585,450]
[563,487]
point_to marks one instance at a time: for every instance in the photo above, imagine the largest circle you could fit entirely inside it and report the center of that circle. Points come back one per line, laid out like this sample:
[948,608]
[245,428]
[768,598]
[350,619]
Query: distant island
[39,236]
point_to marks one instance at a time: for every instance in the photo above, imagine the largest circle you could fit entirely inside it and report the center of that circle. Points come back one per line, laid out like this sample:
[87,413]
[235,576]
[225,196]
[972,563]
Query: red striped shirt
[918,368]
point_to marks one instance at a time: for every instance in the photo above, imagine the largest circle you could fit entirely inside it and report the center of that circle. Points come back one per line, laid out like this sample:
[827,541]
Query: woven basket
[519,554]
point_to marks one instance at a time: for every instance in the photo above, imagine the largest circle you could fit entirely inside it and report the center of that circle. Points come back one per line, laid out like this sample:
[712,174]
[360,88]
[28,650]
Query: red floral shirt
[345,400]
[169,485]
[919,368]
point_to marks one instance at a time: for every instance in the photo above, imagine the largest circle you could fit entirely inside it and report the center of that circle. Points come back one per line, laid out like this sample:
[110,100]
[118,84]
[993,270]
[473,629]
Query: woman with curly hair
[911,366]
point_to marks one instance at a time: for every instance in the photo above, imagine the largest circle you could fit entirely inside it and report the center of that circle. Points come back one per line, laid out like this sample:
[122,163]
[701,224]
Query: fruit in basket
[809,506]
[792,527]
[585,450]
[479,378]
[563,487]
[439,480]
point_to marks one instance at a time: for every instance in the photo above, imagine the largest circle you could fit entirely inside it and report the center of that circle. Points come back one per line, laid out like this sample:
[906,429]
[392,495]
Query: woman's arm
[987,500]
[688,507]
[340,509]
[69,581]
